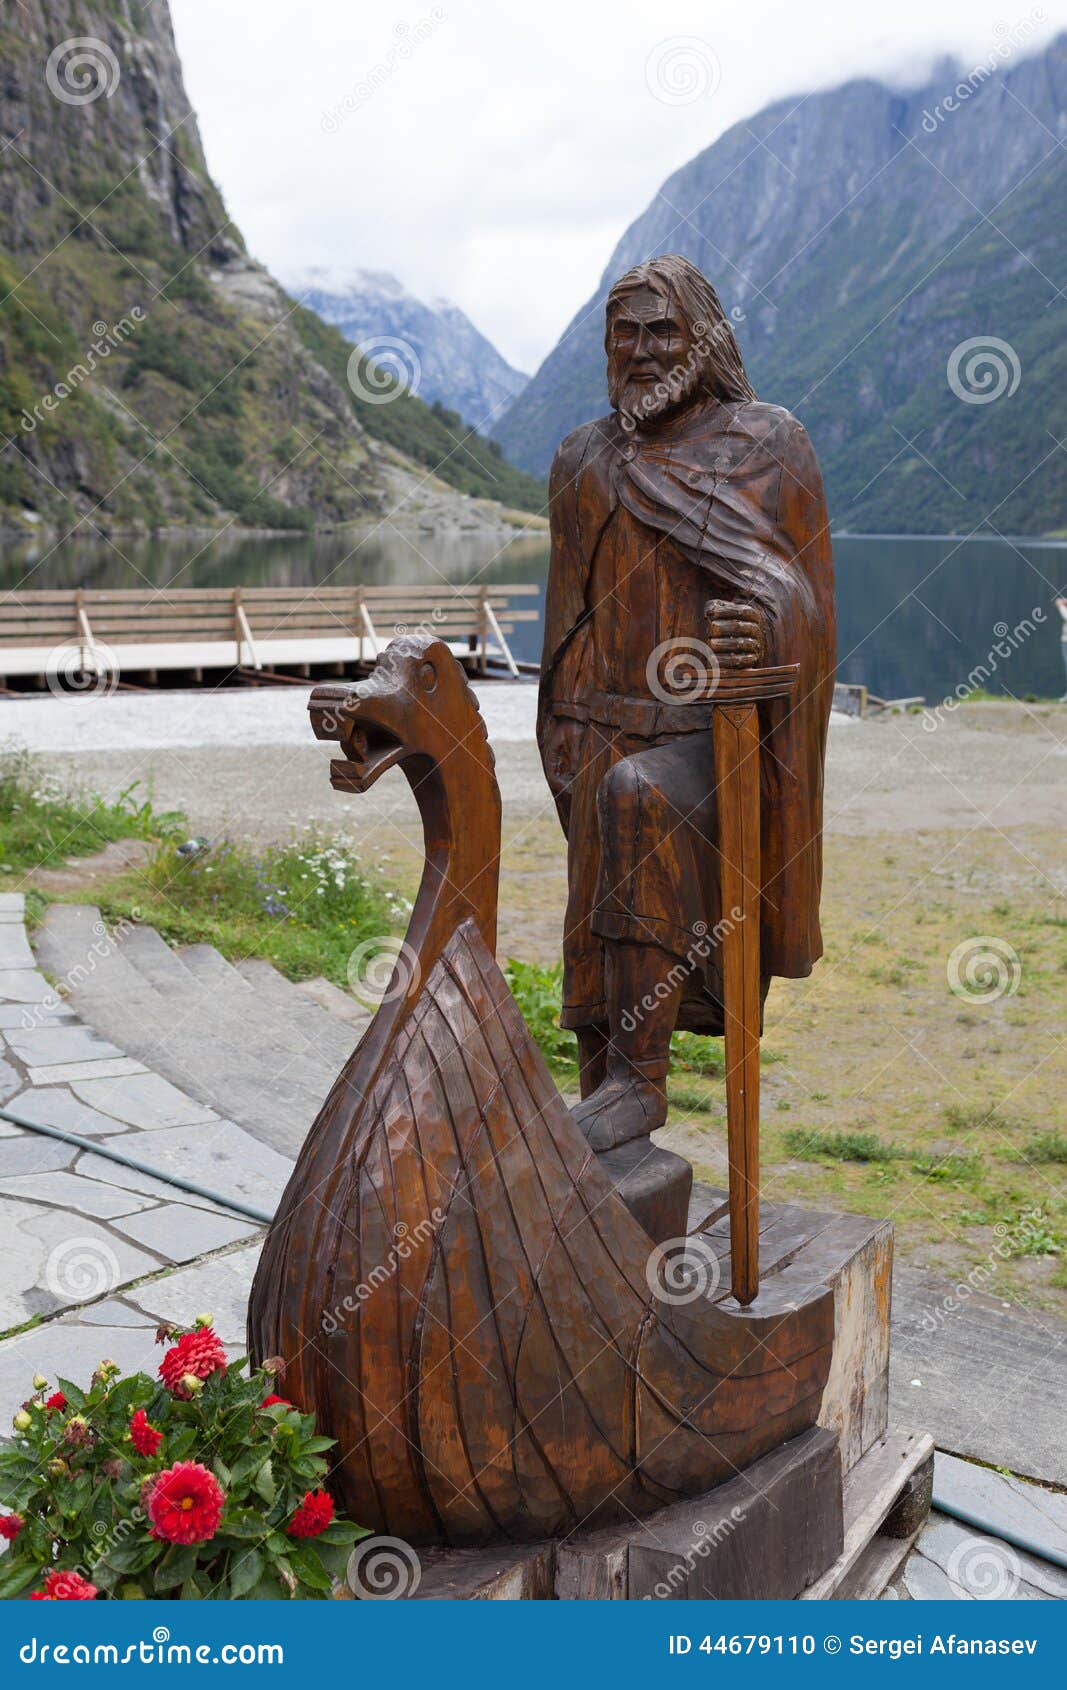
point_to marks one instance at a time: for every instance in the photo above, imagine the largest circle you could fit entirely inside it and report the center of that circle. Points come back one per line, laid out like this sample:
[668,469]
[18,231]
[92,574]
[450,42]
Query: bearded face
[656,360]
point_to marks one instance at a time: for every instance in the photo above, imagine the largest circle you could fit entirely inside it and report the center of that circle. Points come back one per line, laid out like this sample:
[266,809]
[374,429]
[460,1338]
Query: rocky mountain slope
[452,361]
[861,238]
[151,372]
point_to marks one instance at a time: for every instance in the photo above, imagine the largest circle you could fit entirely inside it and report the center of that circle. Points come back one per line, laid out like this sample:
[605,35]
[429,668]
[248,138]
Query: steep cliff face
[457,366]
[150,371]
[859,238]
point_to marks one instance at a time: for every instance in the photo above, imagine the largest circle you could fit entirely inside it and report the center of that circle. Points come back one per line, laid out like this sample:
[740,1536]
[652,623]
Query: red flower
[64,1587]
[313,1515]
[146,1439]
[10,1526]
[197,1353]
[186,1504]
[57,1400]
[273,1401]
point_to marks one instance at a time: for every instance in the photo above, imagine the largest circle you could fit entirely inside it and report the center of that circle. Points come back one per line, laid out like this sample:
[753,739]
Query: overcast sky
[493,151]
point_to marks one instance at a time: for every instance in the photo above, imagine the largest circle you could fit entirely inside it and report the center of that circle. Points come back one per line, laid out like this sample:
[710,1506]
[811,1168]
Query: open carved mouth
[370,750]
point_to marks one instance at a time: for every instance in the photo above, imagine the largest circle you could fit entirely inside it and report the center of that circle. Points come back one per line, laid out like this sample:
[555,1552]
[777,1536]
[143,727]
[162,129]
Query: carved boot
[643,999]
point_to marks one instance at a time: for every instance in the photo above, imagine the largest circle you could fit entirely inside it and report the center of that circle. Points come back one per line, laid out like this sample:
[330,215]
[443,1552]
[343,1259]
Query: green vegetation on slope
[432,435]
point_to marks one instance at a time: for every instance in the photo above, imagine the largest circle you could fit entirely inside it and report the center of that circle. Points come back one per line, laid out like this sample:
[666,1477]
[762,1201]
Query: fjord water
[916,615]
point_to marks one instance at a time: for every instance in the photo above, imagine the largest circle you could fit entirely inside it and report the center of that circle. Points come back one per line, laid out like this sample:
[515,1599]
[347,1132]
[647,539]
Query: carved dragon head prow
[418,712]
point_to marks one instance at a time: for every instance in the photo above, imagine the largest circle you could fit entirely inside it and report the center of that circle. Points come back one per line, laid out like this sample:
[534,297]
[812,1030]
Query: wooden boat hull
[466,1305]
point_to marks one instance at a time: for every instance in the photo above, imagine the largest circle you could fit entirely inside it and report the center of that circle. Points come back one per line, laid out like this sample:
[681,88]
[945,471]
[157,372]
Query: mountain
[151,372]
[452,361]
[860,237]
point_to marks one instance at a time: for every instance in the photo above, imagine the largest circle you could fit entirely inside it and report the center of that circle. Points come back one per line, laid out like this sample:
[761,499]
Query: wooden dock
[138,638]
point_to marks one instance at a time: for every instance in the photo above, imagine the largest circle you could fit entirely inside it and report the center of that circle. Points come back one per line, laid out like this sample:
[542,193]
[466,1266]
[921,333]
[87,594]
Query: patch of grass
[811,1143]
[306,907]
[1046,1147]
[976,1117]
[949,1168]
[41,828]
[538,991]
[688,1098]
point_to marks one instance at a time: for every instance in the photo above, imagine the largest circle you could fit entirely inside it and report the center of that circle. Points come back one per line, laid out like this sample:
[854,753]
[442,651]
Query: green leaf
[177,1565]
[343,1531]
[74,1396]
[222,1473]
[264,1485]
[308,1568]
[15,1578]
[246,1573]
[190,1591]
[313,1446]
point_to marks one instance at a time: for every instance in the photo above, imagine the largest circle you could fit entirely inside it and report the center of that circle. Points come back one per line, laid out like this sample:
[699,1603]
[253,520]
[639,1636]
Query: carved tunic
[728,503]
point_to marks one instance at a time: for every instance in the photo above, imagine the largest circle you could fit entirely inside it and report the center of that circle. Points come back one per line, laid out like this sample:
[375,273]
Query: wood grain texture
[461,1297]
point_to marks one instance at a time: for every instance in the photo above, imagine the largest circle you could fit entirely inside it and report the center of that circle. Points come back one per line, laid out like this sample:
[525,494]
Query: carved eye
[427,677]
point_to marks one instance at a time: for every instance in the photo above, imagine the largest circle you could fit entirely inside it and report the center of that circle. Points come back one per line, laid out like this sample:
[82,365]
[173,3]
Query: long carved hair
[722,369]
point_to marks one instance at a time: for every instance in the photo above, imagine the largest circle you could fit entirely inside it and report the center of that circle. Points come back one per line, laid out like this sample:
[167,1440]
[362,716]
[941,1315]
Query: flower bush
[205,1482]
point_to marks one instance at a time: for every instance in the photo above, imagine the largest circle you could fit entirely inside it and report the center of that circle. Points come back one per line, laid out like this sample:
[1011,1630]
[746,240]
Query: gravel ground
[244,762]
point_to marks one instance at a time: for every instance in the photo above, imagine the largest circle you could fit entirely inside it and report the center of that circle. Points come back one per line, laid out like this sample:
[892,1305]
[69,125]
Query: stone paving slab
[123,1329]
[39,1045]
[1031,1511]
[183,1233]
[55,1106]
[53,1260]
[953,1561]
[142,1099]
[220,1156]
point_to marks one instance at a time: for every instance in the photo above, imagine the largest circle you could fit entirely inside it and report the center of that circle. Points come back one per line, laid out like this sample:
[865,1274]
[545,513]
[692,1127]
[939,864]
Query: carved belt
[646,718]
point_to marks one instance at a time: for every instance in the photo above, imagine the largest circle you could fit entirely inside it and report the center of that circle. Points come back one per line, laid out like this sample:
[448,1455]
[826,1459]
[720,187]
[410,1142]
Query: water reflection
[915,615]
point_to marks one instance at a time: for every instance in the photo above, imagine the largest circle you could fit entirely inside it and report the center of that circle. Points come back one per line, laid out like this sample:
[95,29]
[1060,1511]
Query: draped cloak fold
[737,489]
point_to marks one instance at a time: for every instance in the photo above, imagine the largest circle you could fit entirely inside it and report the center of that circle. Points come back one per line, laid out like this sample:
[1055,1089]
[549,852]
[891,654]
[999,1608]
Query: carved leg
[644,989]
[592,1057]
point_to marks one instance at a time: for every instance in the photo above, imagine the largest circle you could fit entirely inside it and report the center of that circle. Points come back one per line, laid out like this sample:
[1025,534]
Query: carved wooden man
[689,534]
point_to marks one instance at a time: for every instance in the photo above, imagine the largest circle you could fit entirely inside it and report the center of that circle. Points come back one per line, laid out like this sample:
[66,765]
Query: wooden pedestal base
[655,1185]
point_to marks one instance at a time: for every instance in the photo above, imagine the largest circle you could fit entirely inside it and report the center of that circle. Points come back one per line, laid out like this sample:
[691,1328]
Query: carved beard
[642,404]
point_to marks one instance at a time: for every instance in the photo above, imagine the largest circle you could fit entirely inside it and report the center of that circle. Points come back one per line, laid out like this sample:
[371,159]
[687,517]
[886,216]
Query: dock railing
[253,628]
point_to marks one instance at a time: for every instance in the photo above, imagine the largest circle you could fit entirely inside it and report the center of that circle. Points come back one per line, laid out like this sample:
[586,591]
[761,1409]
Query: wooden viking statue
[689,538]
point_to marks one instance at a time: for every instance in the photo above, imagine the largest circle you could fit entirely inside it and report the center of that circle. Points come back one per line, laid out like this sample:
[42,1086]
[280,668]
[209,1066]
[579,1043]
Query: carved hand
[735,633]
